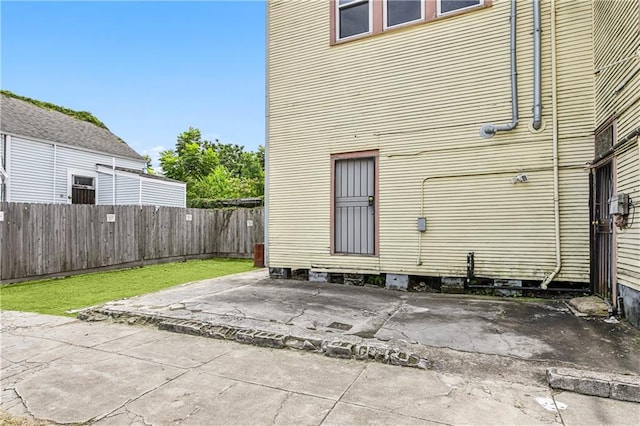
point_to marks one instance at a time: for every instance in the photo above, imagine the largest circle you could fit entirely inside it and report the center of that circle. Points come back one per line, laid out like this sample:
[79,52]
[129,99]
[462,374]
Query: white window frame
[384,16]
[439,8]
[337,23]
[83,173]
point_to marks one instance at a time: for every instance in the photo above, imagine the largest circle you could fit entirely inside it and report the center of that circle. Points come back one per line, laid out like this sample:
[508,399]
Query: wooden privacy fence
[39,240]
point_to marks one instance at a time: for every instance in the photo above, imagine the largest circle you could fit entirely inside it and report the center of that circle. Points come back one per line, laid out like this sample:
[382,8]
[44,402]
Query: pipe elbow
[487,131]
[537,123]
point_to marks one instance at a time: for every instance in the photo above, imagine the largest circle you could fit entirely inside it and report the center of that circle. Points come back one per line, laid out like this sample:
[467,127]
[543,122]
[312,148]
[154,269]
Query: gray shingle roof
[25,119]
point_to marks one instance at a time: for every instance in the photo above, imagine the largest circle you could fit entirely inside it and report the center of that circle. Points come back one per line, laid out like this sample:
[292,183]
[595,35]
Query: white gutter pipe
[556,178]
[488,130]
[537,67]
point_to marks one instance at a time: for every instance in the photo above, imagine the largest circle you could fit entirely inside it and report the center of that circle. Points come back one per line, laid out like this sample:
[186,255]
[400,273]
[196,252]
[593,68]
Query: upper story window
[354,17]
[449,6]
[398,12]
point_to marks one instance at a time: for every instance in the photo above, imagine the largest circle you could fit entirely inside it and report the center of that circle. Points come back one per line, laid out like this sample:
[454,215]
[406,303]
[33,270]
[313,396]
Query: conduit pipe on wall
[488,130]
[556,178]
[537,67]
[478,174]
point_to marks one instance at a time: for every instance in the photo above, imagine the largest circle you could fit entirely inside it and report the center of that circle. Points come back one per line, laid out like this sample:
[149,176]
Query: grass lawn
[55,296]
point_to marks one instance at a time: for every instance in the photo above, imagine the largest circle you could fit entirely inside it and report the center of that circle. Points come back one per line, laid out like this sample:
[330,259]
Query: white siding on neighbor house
[156,192]
[127,189]
[40,171]
[419,95]
[31,171]
[1,164]
[105,193]
[69,158]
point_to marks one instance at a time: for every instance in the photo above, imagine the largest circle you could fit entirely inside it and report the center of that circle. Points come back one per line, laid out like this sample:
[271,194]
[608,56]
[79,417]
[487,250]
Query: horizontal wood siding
[617,40]
[628,239]
[31,171]
[105,189]
[155,192]
[39,240]
[419,95]
[127,189]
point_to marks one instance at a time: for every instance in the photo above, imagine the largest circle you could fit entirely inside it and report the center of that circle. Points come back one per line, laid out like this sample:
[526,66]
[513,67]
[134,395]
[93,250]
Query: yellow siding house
[616,245]
[450,140]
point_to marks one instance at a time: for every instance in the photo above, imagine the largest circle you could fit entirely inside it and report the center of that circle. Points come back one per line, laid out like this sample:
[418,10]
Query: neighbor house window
[449,6]
[398,12]
[354,17]
[83,190]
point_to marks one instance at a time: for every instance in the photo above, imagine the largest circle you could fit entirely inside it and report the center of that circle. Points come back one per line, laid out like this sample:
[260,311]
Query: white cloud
[154,153]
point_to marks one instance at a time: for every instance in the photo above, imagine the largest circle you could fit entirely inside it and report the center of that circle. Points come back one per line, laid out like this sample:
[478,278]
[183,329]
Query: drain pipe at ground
[554,112]
[537,67]
[488,130]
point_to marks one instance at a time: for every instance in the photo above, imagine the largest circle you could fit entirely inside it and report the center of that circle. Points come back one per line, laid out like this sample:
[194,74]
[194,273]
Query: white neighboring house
[49,157]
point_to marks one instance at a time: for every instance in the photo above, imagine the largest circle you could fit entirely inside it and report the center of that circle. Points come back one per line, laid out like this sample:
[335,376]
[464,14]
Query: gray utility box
[619,204]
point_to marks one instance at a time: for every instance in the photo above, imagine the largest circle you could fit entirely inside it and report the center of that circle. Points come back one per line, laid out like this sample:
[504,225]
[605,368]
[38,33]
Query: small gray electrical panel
[619,204]
[422,224]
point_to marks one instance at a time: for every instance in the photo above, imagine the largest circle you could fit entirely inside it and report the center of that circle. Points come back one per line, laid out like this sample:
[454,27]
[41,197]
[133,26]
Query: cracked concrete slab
[32,349]
[538,330]
[290,374]
[102,383]
[169,349]
[592,411]
[269,303]
[111,385]
[197,399]
[11,320]
[352,414]
[77,333]
[427,396]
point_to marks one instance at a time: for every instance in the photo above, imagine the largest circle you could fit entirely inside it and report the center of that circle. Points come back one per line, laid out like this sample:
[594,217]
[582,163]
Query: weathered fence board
[39,240]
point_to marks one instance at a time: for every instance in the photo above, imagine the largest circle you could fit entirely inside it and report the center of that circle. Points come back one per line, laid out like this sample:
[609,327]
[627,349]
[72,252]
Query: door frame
[84,173]
[608,161]
[373,154]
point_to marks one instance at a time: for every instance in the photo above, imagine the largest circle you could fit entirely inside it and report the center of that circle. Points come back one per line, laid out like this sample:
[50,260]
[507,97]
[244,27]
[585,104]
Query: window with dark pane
[447,6]
[353,17]
[83,190]
[604,142]
[402,11]
[82,181]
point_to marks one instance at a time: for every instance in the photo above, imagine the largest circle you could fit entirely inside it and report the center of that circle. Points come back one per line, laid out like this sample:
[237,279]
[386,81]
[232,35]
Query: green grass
[56,296]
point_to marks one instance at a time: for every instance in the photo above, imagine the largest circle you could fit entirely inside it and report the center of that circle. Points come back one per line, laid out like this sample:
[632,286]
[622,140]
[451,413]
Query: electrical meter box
[619,204]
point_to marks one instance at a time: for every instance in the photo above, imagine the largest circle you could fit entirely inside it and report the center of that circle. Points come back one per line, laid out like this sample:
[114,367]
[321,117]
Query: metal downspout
[488,130]
[554,111]
[537,67]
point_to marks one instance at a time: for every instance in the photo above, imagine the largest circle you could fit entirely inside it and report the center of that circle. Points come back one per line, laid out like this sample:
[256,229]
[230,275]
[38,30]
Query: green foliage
[80,115]
[214,170]
[56,296]
[218,203]
[148,166]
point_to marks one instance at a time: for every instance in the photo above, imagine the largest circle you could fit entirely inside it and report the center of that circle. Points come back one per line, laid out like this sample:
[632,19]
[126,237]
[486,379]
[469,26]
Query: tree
[214,170]
[148,168]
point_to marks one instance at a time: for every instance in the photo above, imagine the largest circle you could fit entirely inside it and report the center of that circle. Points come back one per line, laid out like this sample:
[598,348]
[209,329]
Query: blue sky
[148,70]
